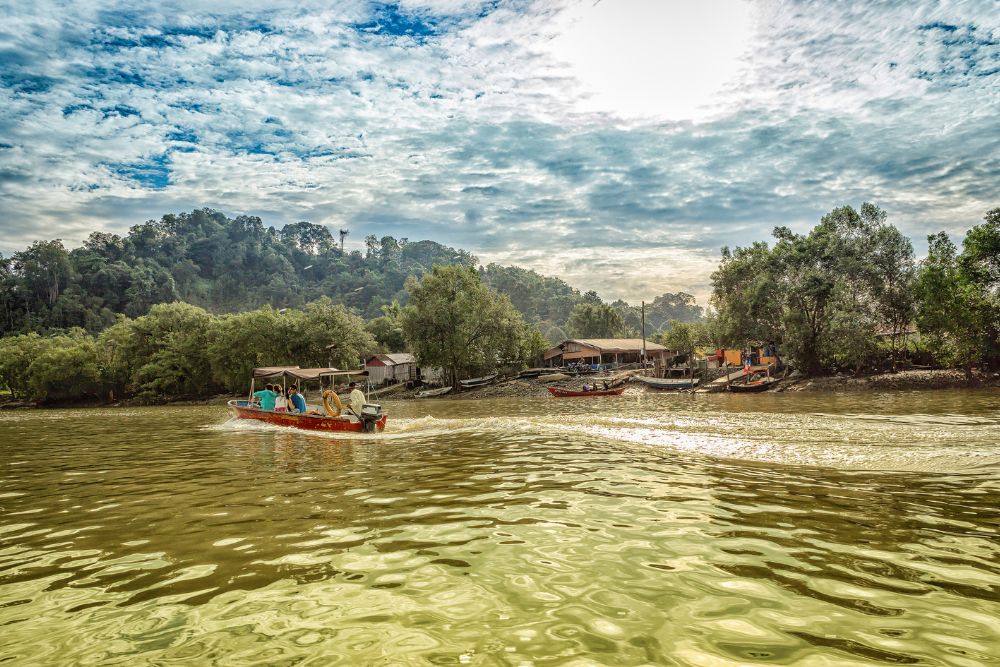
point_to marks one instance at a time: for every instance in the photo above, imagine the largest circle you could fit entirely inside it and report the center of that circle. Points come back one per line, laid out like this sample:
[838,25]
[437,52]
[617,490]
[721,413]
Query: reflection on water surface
[652,529]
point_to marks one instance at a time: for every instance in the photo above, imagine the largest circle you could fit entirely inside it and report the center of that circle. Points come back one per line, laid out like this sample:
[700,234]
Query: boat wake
[844,441]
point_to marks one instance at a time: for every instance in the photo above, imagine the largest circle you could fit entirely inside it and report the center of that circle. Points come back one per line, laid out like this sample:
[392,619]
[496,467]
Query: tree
[456,322]
[45,269]
[959,295]
[66,368]
[169,351]
[822,294]
[388,329]
[595,320]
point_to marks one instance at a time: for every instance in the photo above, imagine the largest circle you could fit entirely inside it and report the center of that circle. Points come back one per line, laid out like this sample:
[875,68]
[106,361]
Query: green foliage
[686,337]
[66,368]
[387,330]
[959,295]
[456,322]
[16,355]
[595,320]
[822,295]
[179,350]
[208,260]
[170,349]
[539,298]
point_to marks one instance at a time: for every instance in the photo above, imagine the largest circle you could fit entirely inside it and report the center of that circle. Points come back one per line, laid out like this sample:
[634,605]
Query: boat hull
[566,393]
[752,387]
[241,410]
[668,384]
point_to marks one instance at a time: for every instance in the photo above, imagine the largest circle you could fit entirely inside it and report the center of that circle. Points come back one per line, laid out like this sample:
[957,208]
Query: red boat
[371,418]
[566,393]
[244,410]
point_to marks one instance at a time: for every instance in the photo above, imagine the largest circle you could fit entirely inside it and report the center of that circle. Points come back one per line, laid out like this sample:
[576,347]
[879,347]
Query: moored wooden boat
[667,383]
[566,393]
[478,382]
[244,410]
[430,393]
[754,386]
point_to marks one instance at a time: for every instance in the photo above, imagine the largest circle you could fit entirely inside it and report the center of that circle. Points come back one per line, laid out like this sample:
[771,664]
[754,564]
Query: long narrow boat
[667,383]
[753,387]
[430,393]
[566,393]
[478,382]
[244,410]
[370,419]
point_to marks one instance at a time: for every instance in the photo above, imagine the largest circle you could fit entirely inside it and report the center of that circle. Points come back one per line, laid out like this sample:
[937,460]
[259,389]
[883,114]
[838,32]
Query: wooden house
[391,368]
[603,351]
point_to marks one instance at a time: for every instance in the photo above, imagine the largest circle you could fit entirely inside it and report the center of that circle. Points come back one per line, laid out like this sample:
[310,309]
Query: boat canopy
[302,373]
[272,371]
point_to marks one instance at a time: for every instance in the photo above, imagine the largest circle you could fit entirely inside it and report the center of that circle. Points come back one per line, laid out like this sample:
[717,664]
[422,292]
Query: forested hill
[234,264]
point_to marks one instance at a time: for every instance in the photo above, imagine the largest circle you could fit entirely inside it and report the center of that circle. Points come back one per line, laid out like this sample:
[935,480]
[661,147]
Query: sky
[618,144]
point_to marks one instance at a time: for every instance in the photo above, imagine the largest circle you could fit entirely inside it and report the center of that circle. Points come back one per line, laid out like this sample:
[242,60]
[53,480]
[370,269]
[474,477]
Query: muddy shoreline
[909,380]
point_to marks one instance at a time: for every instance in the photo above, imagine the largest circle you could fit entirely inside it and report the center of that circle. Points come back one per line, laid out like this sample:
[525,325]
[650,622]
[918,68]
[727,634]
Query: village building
[614,351]
[391,368]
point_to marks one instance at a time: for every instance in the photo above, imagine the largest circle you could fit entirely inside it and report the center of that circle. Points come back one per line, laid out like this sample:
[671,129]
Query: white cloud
[476,135]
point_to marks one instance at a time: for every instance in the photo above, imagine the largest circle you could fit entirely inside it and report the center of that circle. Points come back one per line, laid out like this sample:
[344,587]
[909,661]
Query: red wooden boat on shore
[333,417]
[567,393]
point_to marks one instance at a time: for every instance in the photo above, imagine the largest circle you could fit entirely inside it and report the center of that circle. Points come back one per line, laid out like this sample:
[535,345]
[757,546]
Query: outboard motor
[370,413]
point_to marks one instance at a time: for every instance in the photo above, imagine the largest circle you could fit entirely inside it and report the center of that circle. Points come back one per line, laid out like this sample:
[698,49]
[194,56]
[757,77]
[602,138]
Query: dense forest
[189,304]
[228,265]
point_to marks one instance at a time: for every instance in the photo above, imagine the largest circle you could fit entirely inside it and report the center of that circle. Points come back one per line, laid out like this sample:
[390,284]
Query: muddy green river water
[637,530]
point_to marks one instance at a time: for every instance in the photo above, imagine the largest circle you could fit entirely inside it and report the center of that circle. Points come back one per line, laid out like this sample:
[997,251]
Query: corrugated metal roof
[394,359]
[617,344]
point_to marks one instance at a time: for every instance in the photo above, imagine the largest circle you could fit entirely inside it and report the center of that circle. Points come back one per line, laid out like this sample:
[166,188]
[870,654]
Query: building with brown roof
[604,351]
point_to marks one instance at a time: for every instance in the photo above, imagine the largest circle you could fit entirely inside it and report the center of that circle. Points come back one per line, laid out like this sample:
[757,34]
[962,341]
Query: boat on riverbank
[673,384]
[332,419]
[478,382]
[567,393]
[431,393]
[753,386]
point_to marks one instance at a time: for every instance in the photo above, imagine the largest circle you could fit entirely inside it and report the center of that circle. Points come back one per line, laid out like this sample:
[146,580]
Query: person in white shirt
[357,399]
[280,402]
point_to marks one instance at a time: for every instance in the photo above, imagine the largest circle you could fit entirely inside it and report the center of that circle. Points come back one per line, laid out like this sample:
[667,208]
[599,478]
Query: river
[653,529]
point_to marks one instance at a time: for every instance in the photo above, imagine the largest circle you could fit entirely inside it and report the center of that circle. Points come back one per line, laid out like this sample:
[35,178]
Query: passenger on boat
[298,402]
[280,402]
[357,399]
[266,397]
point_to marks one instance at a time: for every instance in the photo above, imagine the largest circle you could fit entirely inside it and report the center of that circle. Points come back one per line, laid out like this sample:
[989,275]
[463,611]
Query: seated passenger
[298,402]
[266,397]
[280,402]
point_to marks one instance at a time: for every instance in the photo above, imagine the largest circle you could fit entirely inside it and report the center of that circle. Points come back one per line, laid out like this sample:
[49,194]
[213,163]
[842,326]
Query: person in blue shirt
[266,396]
[298,402]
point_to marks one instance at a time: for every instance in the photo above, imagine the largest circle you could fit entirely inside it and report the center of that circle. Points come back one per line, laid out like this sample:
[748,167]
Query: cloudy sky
[618,143]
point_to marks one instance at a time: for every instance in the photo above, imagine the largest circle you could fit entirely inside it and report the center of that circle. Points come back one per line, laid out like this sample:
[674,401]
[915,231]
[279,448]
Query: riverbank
[909,380]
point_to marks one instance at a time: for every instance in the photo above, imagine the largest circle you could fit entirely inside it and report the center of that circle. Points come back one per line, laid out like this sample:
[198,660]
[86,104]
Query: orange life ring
[327,395]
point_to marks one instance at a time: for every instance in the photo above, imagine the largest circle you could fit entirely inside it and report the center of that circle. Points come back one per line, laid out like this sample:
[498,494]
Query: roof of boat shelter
[302,373]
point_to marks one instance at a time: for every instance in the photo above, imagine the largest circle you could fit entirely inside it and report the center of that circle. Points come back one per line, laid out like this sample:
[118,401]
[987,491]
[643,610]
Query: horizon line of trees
[227,265]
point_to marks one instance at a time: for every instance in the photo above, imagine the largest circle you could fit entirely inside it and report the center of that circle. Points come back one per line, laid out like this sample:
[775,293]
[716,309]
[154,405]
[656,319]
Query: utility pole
[644,335]
[343,234]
